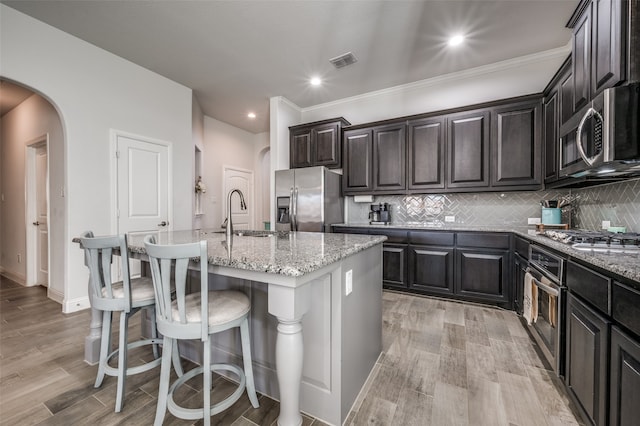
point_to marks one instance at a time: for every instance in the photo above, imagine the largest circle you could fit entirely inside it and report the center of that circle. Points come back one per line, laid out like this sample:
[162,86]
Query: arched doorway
[32,189]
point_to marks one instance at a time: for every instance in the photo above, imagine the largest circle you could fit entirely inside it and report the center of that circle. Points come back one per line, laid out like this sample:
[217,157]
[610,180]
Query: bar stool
[196,316]
[127,297]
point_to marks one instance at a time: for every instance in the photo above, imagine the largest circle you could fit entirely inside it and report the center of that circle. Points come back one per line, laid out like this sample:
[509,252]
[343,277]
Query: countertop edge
[616,264]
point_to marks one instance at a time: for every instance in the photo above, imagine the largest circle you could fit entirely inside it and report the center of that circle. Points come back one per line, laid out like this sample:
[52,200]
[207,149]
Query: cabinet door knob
[36,223]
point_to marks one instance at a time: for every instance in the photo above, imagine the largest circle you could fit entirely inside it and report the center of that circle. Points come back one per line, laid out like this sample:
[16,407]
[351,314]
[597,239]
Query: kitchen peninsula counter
[625,265]
[289,254]
[325,286]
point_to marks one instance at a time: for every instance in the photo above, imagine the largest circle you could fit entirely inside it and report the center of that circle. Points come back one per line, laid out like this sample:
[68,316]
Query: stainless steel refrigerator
[308,199]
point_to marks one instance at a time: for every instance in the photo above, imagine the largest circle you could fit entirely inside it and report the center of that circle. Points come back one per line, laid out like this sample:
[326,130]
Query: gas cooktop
[597,241]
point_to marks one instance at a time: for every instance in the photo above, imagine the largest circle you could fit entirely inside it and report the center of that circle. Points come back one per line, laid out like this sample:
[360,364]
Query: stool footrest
[197,413]
[113,371]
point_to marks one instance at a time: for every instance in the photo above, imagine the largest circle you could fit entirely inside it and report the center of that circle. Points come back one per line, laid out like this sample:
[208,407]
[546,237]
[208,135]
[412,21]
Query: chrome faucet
[228,222]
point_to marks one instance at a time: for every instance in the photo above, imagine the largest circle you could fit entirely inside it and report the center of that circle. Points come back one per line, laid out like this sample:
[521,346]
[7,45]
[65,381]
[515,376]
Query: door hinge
[117,154]
[117,212]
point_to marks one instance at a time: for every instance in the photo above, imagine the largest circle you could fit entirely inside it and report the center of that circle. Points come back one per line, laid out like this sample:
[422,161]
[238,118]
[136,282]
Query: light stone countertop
[624,265]
[285,253]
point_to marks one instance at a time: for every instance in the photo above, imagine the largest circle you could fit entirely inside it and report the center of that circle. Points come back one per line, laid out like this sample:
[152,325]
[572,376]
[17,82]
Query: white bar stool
[196,316]
[127,297]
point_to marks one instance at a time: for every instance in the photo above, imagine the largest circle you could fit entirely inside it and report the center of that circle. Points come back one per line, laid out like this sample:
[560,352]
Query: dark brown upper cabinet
[468,149]
[608,48]
[557,107]
[316,144]
[581,53]
[358,161]
[389,157]
[565,91]
[599,49]
[516,144]
[426,153]
[550,117]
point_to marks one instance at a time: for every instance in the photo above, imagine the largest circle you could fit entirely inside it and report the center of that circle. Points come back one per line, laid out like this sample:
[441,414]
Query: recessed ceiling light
[315,81]
[251,115]
[456,40]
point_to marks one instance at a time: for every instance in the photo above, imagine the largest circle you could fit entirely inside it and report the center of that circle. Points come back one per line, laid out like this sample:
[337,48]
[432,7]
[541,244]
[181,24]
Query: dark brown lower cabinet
[394,265]
[587,347]
[519,271]
[624,387]
[431,269]
[483,274]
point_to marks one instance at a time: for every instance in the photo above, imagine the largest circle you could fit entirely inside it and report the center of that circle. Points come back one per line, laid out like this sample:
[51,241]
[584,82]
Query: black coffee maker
[380,214]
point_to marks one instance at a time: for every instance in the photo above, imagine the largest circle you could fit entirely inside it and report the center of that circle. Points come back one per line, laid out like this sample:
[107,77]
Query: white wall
[95,91]
[197,124]
[226,145]
[33,118]
[282,114]
[514,77]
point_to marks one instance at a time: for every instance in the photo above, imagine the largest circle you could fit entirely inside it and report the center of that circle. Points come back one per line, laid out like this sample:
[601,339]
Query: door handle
[163,223]
[36,223]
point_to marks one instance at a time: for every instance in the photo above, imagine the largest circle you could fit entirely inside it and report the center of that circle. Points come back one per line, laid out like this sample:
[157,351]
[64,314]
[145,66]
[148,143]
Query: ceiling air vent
[344,60]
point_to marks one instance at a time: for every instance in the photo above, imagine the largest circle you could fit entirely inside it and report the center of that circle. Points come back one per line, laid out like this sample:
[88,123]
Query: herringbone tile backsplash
[619,203]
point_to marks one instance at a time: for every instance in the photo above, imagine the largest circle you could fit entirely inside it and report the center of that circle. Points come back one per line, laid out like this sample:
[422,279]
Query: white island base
[313,346]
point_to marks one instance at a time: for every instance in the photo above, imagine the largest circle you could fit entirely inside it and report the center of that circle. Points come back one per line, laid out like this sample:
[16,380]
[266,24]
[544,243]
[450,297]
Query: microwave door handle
[583,154]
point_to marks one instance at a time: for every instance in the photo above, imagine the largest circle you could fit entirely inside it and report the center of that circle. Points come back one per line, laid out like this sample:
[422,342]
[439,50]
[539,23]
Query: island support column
[289,304]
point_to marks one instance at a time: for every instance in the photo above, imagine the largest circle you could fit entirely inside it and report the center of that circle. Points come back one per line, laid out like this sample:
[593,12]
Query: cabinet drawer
[595,288]
[625,306]
[469,239]
[393,236]
[431,238]
[522,247]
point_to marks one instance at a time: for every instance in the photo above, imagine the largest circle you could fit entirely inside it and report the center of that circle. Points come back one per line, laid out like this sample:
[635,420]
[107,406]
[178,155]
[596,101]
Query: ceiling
[235,55]
[11,95]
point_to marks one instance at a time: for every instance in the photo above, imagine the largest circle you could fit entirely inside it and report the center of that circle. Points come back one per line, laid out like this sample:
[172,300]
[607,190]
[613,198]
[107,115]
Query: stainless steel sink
[606,248]
[252,234]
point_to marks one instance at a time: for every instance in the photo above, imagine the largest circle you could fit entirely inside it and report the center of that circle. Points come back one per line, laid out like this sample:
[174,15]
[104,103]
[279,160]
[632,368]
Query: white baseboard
[55,295]
[18,278]
[75,305]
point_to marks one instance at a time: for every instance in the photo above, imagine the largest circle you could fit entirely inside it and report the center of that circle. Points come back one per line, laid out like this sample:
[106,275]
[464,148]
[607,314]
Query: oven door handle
[550,290]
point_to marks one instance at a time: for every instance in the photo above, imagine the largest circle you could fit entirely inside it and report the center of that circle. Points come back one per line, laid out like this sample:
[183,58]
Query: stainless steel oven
[546,316]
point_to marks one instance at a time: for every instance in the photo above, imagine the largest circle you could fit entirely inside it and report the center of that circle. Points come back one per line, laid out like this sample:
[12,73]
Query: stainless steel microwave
[603,139]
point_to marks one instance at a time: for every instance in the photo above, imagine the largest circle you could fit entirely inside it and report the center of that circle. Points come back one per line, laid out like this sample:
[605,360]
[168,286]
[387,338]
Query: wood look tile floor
[443,363]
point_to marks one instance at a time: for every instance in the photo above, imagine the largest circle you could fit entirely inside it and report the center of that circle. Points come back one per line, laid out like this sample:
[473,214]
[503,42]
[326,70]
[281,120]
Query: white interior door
[235,178]
[142,184]
[42,216]
[142,188]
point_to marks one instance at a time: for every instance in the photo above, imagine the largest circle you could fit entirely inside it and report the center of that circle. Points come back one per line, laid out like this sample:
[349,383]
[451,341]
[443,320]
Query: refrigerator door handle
[295,209]
[291,214]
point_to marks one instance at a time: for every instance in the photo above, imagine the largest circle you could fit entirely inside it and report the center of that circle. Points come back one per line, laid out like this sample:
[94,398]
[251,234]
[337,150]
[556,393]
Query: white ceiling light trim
[456,40]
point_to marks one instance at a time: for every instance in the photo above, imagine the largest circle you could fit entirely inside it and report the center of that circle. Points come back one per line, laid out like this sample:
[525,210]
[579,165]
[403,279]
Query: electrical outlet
[449,218]
[533,220]
[348,282]
[606,224]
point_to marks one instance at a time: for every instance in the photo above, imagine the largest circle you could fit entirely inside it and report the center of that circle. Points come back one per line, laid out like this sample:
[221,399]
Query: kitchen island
[327,287]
